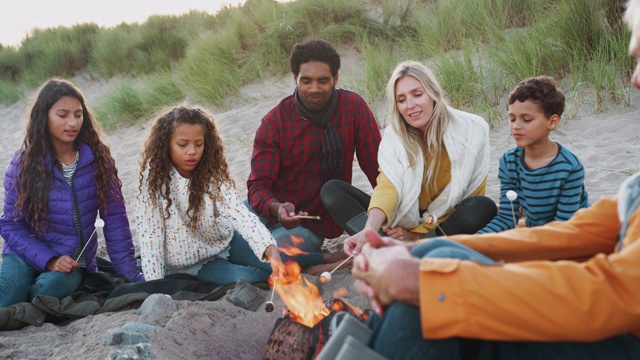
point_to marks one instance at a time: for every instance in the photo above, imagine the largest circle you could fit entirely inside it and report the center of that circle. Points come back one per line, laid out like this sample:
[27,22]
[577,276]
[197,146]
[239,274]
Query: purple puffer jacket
[62,238]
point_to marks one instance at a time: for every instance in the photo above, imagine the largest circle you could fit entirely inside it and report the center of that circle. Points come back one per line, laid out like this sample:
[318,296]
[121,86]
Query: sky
[19,17]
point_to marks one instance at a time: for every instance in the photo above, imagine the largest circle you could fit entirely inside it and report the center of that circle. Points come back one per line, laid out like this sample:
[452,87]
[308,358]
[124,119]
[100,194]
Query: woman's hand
[64,264]
[401,234]
[353,244]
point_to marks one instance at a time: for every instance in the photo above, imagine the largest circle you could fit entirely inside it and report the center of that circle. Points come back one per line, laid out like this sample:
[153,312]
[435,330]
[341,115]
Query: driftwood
[291,340]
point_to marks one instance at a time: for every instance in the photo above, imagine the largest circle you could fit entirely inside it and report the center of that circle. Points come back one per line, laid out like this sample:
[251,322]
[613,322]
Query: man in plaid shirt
[310,137]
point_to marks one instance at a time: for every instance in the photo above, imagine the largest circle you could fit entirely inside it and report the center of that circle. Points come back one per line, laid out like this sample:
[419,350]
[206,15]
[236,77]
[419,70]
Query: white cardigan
[173,245]
[467,142]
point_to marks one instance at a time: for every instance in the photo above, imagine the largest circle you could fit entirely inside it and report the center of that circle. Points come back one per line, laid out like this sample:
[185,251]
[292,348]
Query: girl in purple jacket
[62,177]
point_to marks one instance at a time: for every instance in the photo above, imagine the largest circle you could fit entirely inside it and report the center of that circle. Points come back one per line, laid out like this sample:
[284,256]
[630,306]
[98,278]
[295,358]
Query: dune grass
[479,50]
[132,103]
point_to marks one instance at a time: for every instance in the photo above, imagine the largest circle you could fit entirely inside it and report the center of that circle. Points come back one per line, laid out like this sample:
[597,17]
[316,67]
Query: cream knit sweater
[174,245]
[467,142]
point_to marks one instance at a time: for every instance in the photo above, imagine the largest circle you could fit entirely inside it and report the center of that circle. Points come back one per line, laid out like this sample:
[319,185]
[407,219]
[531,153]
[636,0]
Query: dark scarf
[331,158]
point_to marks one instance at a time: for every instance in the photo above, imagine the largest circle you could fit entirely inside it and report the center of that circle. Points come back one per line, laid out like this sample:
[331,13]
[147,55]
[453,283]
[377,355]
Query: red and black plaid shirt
[285,163]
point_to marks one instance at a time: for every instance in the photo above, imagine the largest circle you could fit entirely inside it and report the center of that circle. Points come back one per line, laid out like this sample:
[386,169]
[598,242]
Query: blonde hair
[632,15]
[430,144]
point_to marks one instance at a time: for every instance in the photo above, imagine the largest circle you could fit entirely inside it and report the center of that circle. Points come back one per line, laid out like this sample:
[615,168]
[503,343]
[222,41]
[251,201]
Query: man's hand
[386,272]
[64,264]
[286,212]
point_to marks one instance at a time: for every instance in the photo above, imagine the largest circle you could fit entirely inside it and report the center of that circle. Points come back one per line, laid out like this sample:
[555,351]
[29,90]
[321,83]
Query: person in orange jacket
[565,290]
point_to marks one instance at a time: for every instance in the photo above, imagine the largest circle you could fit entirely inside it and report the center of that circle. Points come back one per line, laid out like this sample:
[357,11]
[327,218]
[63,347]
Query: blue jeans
[312,242]
[398,335]
[242,263]
[19,282]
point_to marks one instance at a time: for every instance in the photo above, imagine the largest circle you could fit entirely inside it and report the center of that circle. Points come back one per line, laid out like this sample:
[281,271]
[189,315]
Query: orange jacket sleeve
[539,298]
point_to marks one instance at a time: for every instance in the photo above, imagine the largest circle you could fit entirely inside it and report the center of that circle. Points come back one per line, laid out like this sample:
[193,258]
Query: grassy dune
[479,50]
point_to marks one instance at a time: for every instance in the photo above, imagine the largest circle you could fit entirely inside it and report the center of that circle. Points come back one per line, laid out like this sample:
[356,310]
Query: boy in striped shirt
[547,178]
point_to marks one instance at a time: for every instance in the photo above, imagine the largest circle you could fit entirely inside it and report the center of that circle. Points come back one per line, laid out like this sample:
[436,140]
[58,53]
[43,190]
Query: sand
[607,143]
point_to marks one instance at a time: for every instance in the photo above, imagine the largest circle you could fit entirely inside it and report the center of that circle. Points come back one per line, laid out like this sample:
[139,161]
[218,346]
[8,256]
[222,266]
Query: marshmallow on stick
[512,195]
[98,224]
[432,219]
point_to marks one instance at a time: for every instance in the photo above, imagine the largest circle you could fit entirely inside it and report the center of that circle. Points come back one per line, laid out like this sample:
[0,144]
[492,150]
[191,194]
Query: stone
[131,352]
[246,296]
[158,304]
[119,337]
[136,326]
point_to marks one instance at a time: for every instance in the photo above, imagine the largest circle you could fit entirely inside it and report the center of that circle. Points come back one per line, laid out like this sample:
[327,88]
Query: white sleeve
[247,223]
[151,235]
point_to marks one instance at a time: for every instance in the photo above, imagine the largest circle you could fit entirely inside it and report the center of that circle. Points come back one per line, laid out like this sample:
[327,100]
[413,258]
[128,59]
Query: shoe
[356,224]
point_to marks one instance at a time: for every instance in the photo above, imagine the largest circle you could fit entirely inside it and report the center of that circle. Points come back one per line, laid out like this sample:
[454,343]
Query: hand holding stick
[97,224]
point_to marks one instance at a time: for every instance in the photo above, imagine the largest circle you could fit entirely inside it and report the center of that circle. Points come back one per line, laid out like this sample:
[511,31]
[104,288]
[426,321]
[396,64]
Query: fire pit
[303,330]
[293,340]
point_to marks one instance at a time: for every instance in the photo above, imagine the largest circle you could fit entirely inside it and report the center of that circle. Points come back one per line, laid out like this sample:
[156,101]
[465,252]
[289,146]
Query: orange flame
[301,297]
[293,250]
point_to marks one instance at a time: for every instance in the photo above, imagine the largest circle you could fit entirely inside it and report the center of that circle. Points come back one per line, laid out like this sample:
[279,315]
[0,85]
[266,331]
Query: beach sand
[607,143]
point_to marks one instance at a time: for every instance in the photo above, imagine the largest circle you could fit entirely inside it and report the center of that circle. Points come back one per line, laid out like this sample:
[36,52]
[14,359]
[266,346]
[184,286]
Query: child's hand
[63,264]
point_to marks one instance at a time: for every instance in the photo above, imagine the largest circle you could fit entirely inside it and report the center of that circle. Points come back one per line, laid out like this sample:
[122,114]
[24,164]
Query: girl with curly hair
[189,218]
[57,183]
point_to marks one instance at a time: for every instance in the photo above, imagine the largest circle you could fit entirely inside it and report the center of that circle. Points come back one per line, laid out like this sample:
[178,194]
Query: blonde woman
[433,160]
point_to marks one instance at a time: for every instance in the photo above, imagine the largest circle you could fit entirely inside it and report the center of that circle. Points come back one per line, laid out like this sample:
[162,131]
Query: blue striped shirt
[553,192]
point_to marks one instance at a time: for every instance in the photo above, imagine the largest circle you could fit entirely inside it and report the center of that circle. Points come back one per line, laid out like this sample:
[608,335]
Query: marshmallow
[268,306]
[430,219]
[99,223]
[325,277]
[512,195]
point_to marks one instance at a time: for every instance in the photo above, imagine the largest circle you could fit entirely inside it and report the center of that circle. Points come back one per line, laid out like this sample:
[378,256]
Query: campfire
[304,327]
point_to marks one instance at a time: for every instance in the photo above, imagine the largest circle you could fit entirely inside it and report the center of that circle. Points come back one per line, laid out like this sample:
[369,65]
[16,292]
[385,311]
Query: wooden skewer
[342,263]
[268,306]
[87,243]
[310,217]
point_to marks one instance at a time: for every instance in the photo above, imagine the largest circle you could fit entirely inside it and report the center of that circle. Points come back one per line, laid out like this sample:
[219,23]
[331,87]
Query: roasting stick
[325,277]
[268,306]
[310,217]
[512,195]
[98,224]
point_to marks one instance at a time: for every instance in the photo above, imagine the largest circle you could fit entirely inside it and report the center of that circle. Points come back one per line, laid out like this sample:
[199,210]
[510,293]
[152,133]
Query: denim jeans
[19,282]
[242,263]
[312,242]
[398,335]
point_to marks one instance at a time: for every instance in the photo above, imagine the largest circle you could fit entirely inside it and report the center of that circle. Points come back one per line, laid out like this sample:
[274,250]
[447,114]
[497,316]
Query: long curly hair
[432,141]
[208,175]
[35,178]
